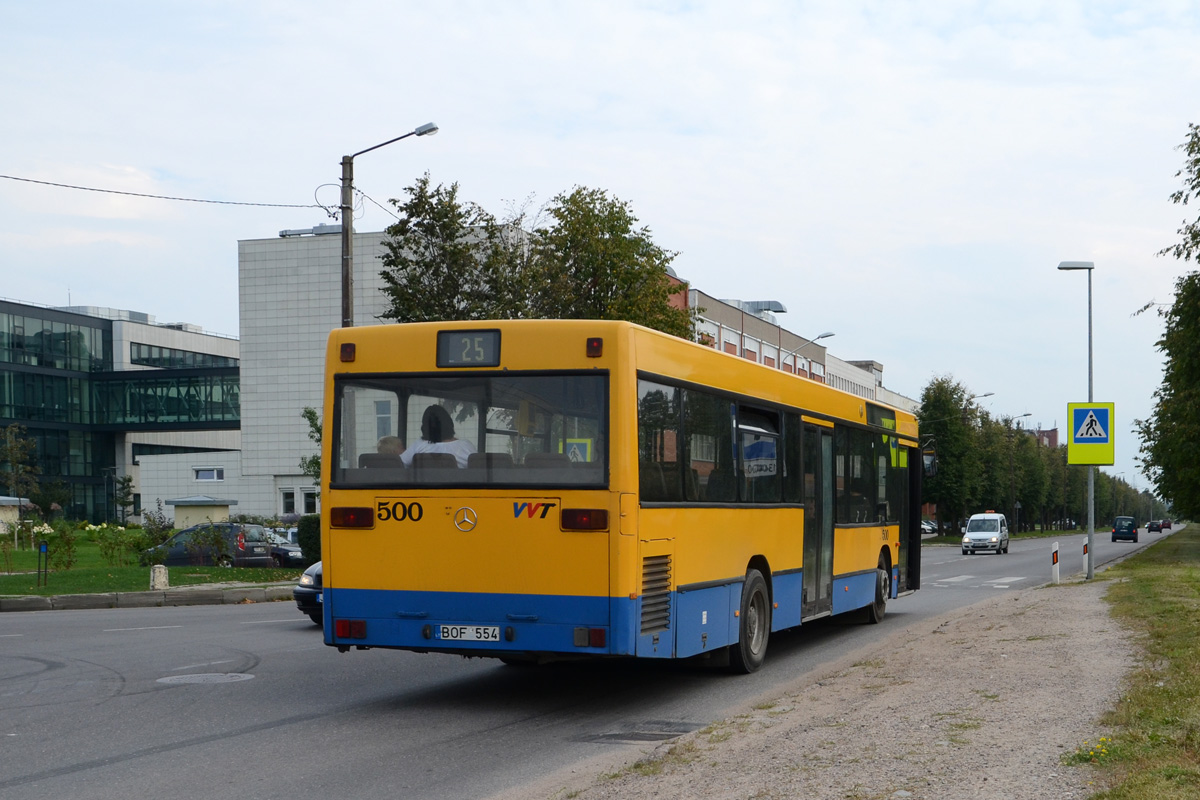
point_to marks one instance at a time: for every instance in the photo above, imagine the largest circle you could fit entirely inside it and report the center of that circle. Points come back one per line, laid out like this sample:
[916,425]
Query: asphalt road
[244,701]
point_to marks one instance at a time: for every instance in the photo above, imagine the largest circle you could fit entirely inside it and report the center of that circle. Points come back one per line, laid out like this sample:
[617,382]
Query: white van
[985,532]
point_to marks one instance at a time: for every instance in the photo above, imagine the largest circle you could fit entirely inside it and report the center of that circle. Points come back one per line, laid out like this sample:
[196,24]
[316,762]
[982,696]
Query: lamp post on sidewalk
[347,214]
[794,353]
[1089,266]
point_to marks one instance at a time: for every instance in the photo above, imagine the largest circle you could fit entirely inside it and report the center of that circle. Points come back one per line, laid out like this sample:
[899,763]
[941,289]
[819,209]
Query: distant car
[283,552]
[1166,524]
[984,533]
[1124,528]
[215,544]
[928,526]
[1154,525]
[308,594]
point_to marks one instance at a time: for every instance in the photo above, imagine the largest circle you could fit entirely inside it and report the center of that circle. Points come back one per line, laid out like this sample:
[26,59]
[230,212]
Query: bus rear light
[595,347]
[347,352]
[590,637]
[350,628]
[350,517]
[584,519]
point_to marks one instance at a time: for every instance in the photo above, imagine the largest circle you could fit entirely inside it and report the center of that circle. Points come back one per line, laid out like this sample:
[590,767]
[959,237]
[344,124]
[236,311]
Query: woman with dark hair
[437,436]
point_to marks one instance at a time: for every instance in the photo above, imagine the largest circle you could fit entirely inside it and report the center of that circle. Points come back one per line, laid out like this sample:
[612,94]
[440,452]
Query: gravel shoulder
[981,703]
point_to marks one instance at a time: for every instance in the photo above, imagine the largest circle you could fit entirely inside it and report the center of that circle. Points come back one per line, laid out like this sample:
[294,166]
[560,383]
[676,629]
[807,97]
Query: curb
[229,595]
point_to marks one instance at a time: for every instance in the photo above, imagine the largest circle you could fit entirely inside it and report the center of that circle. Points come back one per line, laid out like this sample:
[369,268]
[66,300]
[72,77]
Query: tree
[311,465]
[1171,436]
[584,258]
[449,260]
[17,457]
[50,493]
[946,419]
[597,265]
[123,496]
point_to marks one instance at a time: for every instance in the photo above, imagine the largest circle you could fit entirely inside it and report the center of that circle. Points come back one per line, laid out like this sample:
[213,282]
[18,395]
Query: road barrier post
[1054,563]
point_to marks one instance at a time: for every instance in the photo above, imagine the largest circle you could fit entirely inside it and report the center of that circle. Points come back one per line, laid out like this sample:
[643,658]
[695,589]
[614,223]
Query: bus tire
[754,626]
[883,590]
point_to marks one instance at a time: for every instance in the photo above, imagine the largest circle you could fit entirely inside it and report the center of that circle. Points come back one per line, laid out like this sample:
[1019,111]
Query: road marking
[205,664]
[266,621]
[1013,579]
[147,628]
[956,579]
[10,635]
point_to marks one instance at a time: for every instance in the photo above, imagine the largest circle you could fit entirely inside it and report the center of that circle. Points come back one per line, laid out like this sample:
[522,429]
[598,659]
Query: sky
[906,175]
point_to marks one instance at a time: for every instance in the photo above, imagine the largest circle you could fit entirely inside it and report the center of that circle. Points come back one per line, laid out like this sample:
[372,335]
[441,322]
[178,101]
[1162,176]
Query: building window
[289,501]
[209,473]
[383,418]
[310,502]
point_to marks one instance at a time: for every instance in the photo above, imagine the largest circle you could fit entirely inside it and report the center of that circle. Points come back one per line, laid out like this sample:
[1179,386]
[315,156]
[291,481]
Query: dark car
[1154,525]
[308,594]
[219,544]
[1124,528]
[283,552]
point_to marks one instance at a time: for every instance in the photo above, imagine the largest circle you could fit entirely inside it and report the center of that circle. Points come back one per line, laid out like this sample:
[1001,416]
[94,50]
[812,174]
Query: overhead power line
[161,196]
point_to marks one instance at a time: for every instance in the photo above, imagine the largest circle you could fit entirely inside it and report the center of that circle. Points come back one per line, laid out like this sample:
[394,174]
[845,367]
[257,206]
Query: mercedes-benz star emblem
[465,519]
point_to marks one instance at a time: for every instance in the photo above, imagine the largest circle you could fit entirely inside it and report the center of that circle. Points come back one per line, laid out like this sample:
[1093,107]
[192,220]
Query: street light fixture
[347,214]
[794,353]
[1089,266]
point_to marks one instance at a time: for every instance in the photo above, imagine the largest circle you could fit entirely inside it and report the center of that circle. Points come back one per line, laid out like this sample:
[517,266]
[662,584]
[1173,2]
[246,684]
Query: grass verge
[91,574]
[1155,750]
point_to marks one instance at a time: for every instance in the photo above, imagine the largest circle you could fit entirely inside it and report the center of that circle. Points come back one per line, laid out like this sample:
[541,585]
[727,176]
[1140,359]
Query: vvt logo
[531,509]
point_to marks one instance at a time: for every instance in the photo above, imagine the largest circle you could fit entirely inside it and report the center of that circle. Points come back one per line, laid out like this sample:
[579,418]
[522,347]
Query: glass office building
[95,388]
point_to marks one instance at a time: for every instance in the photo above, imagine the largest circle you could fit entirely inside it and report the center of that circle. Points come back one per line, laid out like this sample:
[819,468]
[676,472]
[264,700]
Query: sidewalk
[203,594]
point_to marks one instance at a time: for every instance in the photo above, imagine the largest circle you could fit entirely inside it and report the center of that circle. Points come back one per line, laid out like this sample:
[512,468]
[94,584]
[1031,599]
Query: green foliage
[308,536]
[206,543]
[47,494]
[1171,436]
[156,528]
[119,546]
[1155,751]
[61,539]
[450,260]
[596,264]
[123,496]
[17,457]
[311,465]
[1189,248]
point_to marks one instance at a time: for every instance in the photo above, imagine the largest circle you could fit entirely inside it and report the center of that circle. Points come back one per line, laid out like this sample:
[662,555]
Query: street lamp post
[794,353]
[347,213]
[1089,266]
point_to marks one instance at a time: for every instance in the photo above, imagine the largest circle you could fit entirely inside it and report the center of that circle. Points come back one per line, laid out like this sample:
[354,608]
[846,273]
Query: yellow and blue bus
[575,488]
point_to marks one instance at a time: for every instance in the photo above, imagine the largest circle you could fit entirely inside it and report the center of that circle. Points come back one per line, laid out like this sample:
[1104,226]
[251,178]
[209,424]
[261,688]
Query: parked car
[1124,528]
[986,532]
[1154,525]
[928,526]
[308,594]
[283,552]
[220,544]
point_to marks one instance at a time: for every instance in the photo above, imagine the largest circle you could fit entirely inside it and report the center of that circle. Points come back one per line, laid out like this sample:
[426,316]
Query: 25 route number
[399,511]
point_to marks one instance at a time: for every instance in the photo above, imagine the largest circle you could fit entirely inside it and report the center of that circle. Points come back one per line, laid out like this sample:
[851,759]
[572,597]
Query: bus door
[818,522]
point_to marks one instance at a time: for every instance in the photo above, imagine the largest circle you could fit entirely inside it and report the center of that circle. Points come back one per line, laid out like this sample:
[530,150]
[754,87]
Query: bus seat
[547,460]
[650,482]
[720,487]
[672,489]
[374,460]
[434,461]
[492,460]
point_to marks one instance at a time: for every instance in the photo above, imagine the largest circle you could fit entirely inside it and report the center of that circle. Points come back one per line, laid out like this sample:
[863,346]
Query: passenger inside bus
[387,454]
[437,436]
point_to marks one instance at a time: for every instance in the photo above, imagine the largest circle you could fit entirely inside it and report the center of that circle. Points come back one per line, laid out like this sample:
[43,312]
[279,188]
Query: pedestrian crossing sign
[1090,433]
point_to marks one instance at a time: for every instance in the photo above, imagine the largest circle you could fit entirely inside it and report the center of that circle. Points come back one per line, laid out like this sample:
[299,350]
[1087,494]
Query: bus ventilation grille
[656,593]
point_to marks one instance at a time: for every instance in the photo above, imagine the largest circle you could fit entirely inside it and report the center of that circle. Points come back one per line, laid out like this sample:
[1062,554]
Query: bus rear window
[484,429]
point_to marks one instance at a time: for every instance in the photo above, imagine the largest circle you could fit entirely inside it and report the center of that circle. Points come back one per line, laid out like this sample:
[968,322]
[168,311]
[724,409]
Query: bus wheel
[754,625]
[883,590]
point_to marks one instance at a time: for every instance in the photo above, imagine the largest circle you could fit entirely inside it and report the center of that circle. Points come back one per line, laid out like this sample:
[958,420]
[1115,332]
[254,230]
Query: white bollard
[158,578]
[1054,563]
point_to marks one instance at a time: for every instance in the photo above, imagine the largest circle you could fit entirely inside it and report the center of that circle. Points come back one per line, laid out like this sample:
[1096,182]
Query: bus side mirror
[929,461]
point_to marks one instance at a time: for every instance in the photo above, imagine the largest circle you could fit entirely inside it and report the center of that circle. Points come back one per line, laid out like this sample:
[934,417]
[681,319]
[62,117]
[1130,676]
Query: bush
[308,535]
[60,540]
[118,545]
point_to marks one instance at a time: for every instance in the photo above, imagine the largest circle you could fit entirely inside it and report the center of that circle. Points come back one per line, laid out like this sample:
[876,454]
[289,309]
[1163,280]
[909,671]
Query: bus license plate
[468,633]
